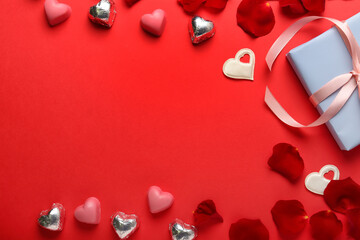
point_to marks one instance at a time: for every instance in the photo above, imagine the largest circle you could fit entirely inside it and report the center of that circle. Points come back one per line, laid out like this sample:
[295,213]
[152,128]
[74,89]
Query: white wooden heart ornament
[316,182]
[234,68]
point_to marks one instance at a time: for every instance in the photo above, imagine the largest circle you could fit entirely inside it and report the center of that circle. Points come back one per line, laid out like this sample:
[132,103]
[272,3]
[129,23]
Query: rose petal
[325,225]
[206,214]
[246,229]
[314,5]
[287,161]
[255,17]
[216,4]
[292,6]
[353,217]
[190,5]
[131,2]
[342,195]
[290,217]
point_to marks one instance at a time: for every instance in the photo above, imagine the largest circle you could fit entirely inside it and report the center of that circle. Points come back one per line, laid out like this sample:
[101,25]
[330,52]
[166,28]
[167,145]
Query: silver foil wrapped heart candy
[200,29]
[103,13]
[52,219]
[182,231]
[124,225]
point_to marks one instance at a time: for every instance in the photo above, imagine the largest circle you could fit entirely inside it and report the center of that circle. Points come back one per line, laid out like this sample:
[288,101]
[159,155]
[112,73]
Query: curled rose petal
[292,7]
[342,195]
[216,4]
[325,225]
[353,217]
[206,214]
[314,5]
[287,161]
[290,217]
[246,229]
[255,17]
[190,6]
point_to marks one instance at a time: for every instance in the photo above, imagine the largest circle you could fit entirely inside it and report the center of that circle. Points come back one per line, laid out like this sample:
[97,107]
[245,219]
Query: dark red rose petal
[314,5]
[353,217]
[292,6]
[286,160]
[325,225]
[246,229]
[255,17]
[342,195]
[290,217]
[131,2]
[216,4]
[190,5]
[206,214]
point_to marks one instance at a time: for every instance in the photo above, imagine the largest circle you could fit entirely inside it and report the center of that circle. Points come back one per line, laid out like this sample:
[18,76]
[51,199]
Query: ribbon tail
[336,105]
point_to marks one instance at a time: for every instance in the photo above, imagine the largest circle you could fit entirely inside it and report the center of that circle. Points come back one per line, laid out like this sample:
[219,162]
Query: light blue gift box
[316,63]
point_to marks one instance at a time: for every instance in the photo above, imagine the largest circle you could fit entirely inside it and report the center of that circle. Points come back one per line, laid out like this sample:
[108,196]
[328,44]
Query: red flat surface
[108,113]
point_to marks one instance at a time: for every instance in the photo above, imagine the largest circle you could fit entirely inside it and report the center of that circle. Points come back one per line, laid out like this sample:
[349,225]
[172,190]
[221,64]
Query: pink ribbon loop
[345,83]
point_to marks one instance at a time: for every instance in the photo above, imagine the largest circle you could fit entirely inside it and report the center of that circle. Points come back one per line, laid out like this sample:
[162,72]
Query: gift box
[316,63]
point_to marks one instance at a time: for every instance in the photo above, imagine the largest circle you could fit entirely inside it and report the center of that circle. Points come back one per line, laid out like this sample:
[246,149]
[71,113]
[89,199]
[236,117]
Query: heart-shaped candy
[182,231]
[316,182]
[89,212]
[154,23]
[103,13]
[56,12]
[200,29]
[124,225]
[159,200]
[53,219]
[234,68]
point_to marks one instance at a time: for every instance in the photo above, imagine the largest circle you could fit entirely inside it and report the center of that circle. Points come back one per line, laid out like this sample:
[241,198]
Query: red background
[107,113]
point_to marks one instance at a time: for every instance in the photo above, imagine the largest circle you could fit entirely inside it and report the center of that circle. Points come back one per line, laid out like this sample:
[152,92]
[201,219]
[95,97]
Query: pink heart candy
[56,12]
[89,212]
[154,23]
[159,200]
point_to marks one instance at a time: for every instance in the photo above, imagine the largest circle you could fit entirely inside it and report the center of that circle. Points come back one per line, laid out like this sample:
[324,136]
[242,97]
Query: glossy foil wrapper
[124,225]
[103,13]
[182,231]
[52,219]
[200,29]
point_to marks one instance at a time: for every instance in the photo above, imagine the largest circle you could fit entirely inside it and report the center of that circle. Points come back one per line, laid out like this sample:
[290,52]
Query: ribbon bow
[347,82]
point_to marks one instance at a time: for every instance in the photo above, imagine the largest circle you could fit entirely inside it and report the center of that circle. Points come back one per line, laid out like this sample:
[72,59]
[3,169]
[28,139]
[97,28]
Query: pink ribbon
[347,82]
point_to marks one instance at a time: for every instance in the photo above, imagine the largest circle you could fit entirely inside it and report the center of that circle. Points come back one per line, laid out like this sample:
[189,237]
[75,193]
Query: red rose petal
[246,229]
[286,160]
[292,6]
[314,5]
[342,195]
[325,225]
[190,5]
[216,4]
[353,217]
[255,17]
[206,214]
[131,2]
[290,217]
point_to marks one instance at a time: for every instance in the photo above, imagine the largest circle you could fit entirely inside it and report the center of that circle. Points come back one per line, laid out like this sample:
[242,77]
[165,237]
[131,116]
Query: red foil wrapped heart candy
[255,17]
